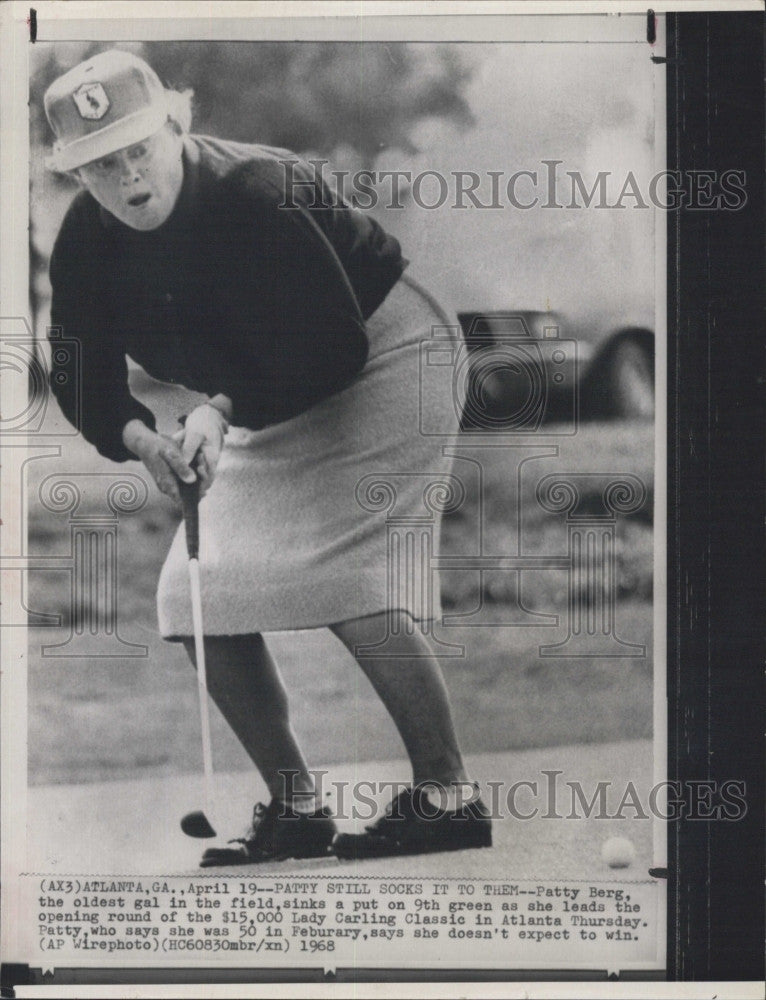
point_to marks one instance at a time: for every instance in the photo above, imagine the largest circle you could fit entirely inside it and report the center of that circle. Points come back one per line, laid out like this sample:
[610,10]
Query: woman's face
[139,184]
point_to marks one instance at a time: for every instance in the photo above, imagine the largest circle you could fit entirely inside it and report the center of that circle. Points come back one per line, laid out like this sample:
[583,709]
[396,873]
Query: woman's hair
[180,108]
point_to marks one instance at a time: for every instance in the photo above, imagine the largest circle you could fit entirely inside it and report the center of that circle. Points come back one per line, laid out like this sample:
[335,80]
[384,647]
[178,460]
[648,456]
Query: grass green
[95,719]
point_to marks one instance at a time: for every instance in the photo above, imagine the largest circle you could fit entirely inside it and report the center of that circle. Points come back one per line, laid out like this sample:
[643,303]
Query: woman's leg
[245,684]
[413,690]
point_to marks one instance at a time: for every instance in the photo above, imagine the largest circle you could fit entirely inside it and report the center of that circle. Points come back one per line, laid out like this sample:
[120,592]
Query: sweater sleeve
[289,308]
[97,401]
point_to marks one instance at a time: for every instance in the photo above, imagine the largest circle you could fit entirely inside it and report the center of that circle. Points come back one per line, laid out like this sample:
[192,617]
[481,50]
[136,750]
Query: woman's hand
[202,441]
[161,455]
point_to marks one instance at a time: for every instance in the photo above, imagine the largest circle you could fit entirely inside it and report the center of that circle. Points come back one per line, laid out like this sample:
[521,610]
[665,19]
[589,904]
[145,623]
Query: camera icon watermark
[27,375]
[510,373]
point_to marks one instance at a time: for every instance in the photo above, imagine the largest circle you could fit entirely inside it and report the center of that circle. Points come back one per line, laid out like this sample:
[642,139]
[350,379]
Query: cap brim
[118,135]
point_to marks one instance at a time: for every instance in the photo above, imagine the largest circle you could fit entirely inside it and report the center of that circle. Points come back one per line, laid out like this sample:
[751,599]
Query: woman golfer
[221,267]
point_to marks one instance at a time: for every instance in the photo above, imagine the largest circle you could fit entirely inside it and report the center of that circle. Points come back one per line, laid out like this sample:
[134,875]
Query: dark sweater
[232,294]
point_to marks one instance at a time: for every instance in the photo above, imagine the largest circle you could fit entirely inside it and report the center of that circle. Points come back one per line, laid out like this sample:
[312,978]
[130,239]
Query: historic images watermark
[92,502]
[537,381]
[472,368]
[545,185]
[545,796]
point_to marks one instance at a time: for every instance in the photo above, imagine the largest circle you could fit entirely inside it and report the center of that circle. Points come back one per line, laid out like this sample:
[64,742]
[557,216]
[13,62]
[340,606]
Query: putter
[196,824]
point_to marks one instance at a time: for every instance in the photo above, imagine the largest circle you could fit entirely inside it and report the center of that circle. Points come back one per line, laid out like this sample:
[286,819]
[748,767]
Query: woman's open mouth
[138,200]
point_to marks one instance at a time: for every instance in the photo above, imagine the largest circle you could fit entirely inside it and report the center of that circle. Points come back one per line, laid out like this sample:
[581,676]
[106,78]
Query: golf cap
[110,101]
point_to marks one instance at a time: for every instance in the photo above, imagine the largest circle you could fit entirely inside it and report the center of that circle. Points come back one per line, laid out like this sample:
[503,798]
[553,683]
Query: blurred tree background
[309,96]
[420,108]
[317,97]
[347,102]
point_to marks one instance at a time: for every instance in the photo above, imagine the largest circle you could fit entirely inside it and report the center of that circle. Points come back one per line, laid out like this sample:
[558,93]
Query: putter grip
[190,503]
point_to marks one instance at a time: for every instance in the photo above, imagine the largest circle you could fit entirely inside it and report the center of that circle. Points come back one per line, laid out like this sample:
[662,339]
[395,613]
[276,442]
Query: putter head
[196,824]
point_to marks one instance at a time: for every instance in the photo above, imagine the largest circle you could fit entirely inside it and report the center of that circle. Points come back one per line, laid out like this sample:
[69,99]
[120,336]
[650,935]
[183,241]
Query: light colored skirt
[306,520]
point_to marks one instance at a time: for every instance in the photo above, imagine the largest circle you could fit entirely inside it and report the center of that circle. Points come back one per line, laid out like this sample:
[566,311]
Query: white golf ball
[618,852]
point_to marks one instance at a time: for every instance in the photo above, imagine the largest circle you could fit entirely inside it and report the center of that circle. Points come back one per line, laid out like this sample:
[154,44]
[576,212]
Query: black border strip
[716,578]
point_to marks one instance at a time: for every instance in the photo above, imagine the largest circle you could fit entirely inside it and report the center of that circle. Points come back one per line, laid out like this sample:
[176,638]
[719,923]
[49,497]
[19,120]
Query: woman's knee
[372,629]
[233,648]
[232,658]
[238,665]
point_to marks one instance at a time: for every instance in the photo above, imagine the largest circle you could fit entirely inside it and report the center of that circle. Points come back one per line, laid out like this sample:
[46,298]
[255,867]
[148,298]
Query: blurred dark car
[526,369]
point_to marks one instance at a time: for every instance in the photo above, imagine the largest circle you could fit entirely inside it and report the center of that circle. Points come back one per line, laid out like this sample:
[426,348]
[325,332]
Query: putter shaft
[199,651]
